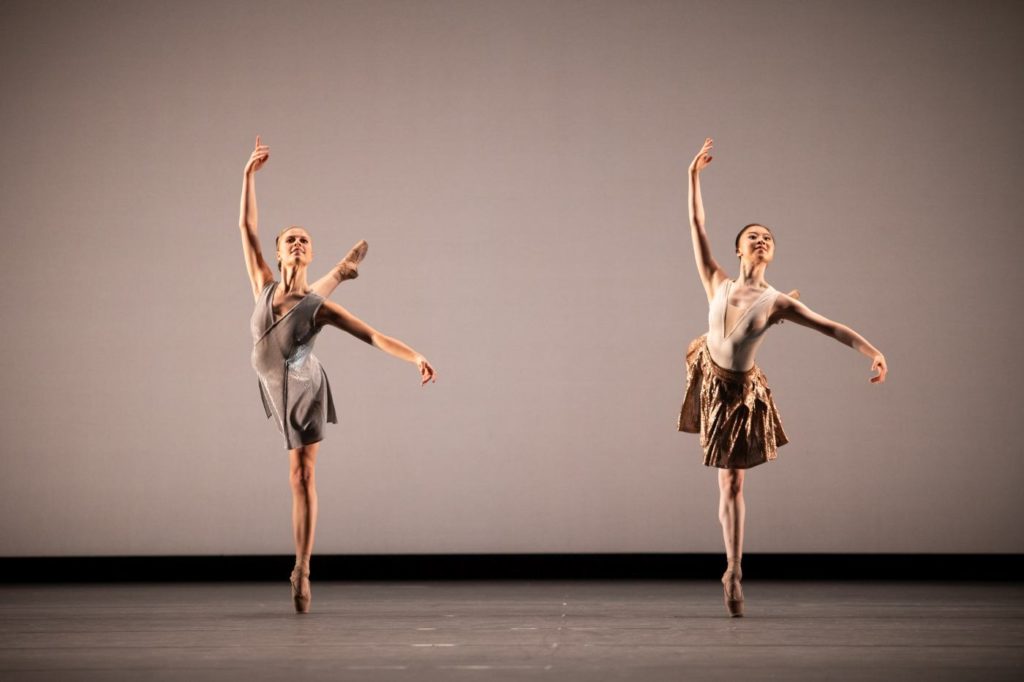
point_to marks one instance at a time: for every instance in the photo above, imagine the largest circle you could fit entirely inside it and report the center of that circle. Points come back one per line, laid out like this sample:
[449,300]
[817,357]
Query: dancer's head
[294,246]
[755,243]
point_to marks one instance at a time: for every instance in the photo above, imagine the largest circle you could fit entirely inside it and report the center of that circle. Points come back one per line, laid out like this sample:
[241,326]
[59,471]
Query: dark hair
[748,226]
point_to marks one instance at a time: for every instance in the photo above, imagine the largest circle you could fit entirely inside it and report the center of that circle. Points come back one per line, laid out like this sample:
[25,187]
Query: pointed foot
[302,592]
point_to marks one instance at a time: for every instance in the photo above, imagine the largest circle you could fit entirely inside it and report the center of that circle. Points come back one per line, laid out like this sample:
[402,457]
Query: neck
[752,274]
[293,278]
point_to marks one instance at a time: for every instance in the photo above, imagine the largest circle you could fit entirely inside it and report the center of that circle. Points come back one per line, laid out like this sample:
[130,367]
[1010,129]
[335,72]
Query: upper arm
[788,308]
[712,280]
[333,314]
[711,273]
[259,272]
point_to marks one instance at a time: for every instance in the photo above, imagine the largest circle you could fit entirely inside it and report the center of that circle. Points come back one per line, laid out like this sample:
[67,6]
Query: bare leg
[347,268]
[731,513]
[302,468]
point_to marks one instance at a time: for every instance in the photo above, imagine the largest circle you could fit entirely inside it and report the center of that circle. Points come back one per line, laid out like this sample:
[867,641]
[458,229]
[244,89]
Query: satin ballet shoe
[733,591]
[301,598]
[349,266]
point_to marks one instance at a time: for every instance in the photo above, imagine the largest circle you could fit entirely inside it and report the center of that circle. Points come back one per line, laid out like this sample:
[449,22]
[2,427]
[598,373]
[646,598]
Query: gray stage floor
[563,631]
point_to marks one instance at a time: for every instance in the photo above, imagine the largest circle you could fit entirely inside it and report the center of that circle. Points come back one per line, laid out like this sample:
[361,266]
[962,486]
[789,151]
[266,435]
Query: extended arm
[711,274]
[259,272]
[788,308]
[333,314]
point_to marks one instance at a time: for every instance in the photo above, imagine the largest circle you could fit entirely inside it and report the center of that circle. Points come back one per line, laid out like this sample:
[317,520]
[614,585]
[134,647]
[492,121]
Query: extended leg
[347,268]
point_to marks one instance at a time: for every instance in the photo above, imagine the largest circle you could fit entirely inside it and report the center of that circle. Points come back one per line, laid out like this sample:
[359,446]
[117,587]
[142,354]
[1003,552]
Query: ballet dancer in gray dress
[727,400]
[288,316]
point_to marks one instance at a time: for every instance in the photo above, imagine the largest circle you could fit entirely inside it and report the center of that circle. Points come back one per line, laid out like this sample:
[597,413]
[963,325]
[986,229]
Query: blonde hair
[281,234]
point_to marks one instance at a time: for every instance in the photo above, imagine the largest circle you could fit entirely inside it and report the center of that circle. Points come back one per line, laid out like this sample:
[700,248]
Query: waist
[725,373]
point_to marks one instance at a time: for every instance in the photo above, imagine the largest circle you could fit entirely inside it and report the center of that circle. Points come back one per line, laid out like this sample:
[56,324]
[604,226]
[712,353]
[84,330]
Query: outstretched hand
[427,372]
[703,157]
[878,363]
[258,157]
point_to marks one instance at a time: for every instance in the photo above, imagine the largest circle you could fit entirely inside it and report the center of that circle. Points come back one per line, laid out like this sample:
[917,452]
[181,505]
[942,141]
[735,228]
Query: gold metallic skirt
[733,412]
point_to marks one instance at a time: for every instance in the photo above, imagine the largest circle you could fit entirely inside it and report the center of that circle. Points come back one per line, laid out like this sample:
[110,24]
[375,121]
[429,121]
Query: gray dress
[293,385]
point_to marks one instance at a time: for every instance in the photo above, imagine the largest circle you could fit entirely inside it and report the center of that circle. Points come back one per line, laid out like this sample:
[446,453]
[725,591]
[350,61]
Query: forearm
[247,214]
[695,201]
[847,336]
[701,247]
[394,347]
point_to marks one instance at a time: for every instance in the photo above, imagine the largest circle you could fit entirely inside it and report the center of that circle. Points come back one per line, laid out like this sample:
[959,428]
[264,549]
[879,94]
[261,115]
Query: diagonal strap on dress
[293,384]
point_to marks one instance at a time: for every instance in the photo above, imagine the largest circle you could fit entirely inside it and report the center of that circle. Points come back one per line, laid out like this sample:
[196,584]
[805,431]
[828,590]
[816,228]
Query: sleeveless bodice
[293,384]
[734,349]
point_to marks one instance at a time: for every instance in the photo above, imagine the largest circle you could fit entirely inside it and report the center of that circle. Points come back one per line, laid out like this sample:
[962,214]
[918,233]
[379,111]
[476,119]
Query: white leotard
[735,348]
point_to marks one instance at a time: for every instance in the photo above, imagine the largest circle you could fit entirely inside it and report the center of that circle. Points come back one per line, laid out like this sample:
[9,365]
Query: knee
[302,479]
[732,484]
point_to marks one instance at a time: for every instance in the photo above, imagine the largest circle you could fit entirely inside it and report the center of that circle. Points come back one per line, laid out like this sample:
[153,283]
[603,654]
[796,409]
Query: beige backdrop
[518,169]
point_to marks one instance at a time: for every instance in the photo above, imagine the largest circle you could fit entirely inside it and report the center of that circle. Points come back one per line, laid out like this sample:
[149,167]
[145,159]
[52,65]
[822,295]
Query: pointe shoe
[301,597]
[349,266]
[733,591]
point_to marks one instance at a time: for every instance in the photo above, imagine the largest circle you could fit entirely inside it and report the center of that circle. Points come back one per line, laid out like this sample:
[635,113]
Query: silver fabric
[293,384]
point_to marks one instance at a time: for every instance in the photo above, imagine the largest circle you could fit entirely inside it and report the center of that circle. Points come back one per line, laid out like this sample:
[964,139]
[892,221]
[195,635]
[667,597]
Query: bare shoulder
[330,312]
[787,307]
[783,306]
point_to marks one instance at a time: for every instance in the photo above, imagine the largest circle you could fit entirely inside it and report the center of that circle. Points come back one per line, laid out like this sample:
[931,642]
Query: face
[294,247]
[757,245]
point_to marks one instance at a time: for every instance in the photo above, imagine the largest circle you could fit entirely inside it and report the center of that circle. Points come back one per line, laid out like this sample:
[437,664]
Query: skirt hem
[734,412]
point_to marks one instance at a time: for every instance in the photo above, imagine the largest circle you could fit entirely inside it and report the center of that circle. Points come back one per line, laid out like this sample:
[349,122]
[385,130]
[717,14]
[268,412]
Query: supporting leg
[302,468]
[731,514]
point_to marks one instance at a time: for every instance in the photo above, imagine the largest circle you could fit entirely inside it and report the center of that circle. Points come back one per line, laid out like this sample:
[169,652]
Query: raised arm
[788,308]
[711,274]
[333,314]
[259,272]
